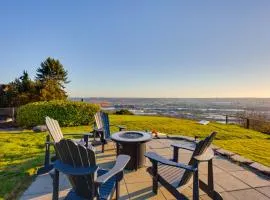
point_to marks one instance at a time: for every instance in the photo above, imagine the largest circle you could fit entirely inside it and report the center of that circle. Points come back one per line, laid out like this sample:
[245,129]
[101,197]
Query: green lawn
[21,153]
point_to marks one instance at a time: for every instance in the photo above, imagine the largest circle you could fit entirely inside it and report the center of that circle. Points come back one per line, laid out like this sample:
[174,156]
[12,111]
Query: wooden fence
[7,113]
[249,123]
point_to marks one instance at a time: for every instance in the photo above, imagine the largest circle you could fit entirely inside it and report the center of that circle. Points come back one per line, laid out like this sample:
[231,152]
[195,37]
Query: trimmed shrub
[67,113]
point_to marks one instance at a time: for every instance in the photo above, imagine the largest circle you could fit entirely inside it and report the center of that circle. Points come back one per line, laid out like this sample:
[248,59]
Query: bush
[123,112]
[67,113]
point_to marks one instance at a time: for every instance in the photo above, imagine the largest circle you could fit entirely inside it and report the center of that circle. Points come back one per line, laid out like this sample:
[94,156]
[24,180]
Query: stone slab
[229,182]
[225,152]
[261,168]
[203,169]
[240,159]
[40,128]
[264,190]
[249,194]
[226,165]
[41,185]
[142,191]
[251,179]
[139,176]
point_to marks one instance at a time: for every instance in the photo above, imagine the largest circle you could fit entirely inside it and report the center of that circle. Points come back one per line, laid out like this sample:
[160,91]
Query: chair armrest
[98,130]
[51,143]
[86,144]
[119,166]
[81,142]
[119,126]
[157,158]
[70,170]
[206,156]
[186,147]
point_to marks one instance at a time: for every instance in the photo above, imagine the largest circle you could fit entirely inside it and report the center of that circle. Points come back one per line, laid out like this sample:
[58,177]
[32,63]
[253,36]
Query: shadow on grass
[15,178]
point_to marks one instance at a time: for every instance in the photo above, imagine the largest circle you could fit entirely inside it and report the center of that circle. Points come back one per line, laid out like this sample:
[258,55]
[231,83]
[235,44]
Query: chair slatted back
[201,147]
[78,155]
[98,120]
[106,125]
[54,129]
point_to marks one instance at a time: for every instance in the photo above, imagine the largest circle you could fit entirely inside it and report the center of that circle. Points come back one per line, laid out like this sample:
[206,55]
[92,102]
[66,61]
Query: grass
[248,143]
[21,153]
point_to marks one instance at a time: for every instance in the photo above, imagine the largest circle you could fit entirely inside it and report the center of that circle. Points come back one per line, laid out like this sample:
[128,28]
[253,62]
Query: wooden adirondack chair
[102,129]
[176,176]
[88,181]
[98,126]
[56,134]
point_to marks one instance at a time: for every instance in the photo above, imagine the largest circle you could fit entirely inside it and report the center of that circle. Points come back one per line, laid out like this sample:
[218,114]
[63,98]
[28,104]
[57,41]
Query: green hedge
[68,113]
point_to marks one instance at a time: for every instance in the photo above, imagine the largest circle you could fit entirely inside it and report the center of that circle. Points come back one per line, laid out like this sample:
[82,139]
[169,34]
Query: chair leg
[47,166]
[155,177]
[86,140]
[102,148]
[117,190]
[47,154]
[117,149]
[196,185]
[175,154]
[210,179]
[56,185]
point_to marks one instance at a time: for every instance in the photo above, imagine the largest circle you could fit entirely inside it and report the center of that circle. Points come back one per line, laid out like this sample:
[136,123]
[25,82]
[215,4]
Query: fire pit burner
[131,135]
[132,143]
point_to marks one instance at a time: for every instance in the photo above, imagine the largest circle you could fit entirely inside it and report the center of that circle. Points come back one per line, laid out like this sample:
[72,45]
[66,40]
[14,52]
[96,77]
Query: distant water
[194,108]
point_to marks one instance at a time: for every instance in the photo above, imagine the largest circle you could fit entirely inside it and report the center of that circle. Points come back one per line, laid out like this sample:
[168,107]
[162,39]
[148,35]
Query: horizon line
[176,97]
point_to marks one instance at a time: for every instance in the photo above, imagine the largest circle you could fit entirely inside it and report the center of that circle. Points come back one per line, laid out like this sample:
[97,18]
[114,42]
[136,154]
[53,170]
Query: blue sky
[142,48]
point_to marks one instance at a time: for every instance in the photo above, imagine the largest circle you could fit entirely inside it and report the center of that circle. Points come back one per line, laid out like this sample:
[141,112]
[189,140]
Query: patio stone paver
[226,165]
[123,192]
[136,177]
[203,169]
[264,190]
[233,182]
[217,187]
[143,191]
[248,194]
[251,178]
[228,182]
[187,192]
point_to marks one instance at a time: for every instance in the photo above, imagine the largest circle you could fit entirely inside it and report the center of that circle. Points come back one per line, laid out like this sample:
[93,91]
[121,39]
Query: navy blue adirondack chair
[175,176]
[106,133]
[88,181]
[56,134]
[102,130]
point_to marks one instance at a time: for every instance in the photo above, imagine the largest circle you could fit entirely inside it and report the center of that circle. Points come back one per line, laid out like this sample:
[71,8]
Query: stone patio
[231,180]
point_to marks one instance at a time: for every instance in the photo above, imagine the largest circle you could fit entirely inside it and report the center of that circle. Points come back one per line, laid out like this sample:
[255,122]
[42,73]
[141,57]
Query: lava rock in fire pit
[131,135]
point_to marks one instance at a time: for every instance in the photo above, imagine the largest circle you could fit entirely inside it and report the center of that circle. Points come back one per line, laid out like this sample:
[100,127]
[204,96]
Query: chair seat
[172,175]
[105,190]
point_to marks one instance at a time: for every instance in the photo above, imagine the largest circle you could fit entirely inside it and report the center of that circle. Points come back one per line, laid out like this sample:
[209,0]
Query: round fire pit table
[132,143]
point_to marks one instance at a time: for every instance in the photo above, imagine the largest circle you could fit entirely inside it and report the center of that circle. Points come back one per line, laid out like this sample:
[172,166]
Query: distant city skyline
[159,49]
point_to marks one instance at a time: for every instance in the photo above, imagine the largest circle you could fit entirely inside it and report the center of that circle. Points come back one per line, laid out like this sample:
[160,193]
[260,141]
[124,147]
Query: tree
[52,69]
[51,90]
[48,85]
[51,77]
[25,82]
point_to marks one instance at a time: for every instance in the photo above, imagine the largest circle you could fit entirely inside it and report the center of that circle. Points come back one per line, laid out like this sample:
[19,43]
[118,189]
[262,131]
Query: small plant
[67,113]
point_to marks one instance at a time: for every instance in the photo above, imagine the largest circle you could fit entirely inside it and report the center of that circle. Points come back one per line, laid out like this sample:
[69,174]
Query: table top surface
[117,137]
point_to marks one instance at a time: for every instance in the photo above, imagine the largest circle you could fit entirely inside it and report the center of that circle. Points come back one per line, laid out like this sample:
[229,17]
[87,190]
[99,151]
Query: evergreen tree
[51,77]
